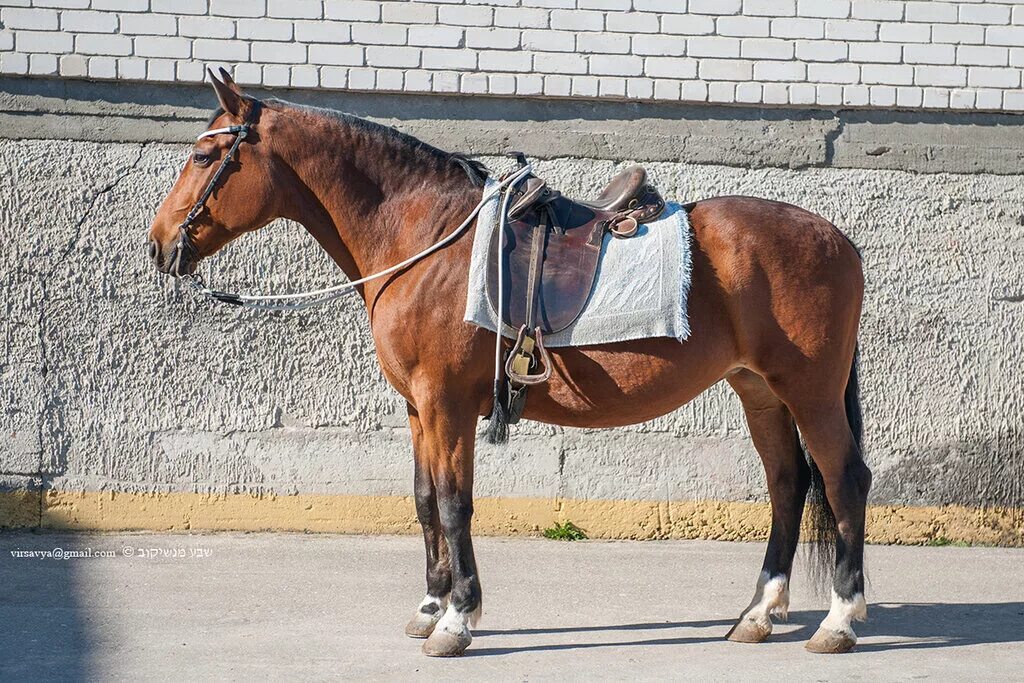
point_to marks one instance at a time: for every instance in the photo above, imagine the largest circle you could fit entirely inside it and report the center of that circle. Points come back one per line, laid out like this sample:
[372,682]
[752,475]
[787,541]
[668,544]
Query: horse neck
[372,202]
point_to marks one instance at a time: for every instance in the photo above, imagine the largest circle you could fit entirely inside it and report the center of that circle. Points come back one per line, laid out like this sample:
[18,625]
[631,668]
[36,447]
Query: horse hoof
[443,643]
[829,642]
[749,631]
[422,625]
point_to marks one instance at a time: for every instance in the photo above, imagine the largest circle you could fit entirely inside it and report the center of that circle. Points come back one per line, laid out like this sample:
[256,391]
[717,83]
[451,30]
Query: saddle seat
[551,255]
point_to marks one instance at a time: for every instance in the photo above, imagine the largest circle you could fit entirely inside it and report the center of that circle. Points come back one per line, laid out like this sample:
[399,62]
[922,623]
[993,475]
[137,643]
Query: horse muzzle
[181,258]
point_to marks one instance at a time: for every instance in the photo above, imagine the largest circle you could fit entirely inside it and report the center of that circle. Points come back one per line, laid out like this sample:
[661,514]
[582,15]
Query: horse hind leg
[774,434]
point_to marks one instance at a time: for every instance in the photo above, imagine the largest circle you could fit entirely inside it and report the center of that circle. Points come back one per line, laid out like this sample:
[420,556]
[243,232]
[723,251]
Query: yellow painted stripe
[734,521]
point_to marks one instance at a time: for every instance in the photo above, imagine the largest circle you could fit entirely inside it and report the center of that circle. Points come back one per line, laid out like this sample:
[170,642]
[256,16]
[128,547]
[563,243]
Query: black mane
[476,171]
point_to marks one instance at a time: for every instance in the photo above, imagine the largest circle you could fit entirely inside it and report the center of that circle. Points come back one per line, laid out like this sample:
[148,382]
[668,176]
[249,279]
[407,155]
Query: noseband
[186,244]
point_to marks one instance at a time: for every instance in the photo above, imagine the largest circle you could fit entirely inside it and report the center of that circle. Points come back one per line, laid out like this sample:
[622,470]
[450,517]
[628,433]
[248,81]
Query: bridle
[301,300]
[186,245]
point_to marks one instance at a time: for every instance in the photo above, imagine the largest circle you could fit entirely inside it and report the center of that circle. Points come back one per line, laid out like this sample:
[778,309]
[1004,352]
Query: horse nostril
[154,251]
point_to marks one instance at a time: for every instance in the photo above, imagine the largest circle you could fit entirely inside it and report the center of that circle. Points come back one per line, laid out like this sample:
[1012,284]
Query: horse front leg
[439,569]
[447,441]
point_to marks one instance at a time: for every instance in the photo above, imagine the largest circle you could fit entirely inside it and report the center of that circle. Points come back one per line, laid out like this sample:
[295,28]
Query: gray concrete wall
[113,377]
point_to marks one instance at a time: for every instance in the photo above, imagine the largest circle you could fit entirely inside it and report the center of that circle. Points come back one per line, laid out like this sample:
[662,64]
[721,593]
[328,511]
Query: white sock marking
[770,597]
[454,621]
[843,612]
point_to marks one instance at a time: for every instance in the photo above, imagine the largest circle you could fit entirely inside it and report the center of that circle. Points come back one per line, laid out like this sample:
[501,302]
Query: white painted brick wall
[880,53]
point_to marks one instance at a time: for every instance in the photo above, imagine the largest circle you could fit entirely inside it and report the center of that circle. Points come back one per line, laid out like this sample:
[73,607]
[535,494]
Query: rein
[300,300]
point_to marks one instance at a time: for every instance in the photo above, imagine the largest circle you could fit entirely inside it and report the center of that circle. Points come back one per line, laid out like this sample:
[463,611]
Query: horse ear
[228,93]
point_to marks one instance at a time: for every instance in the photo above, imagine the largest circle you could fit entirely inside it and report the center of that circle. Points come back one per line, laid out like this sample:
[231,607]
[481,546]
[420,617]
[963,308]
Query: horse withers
[775,302]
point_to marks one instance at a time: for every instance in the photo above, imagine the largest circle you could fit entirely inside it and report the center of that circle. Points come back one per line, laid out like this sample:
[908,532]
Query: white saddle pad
[641,289]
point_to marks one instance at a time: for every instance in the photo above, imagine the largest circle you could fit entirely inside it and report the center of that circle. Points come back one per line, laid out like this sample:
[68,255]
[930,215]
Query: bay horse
[775,303]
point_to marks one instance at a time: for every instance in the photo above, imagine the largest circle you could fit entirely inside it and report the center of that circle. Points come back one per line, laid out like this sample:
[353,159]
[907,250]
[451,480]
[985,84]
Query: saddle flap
[567,262]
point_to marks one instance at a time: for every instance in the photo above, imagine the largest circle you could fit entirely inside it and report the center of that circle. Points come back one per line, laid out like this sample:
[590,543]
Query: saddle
[549,263]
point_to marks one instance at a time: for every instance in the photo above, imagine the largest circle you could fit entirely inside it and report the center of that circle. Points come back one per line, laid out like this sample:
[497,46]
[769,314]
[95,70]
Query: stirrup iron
[521,360]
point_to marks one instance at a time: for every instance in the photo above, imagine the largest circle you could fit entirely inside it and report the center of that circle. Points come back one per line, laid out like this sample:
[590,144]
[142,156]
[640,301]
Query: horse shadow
[899,626]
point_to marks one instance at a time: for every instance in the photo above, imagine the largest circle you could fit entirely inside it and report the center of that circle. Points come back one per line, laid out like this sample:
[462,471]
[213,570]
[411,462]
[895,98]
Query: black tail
[822,532]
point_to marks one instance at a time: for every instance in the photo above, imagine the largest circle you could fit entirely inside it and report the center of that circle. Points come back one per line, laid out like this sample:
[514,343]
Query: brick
[266,29]
[961,99]
[990,100]
[102,67]
[42,65]
[780,71]
[632,22]
[499,60]
[408,13]
[988,77]
[553,41]
[931,12]
[474,83]
[713,47]
[715,7]
[277,52]
[43,41]
[13,63]
[883,96]
[834,73]
[940,75]
[465,16]
[577,21]
[1013,101]
[194,72]
[721,92]
[687,25]
[74,65]
[670,67]
[768,48]
[826,50]
[826,9]
[976,55]
[755,27]
[929,54]
[502,38]
[909,97]
[206,27]
[349,55]
[179,7]
[640,88]
[362,79]
[351,10]
[149,24]
[444,81]
[603,43]
[876,52]
[884,10]
[775,93]
[770,8]
[984,14]
[664,46]
[557,86]
[295,9]
[160,70]
[449,59]
[856,95]
[304,76]
[529,84]
[32,19]
[958,33]
[121,5]
[521,17]
[89,22]
[748,93]
[247,74]
[275,75]
[130,68]
[559,63]
[725,69]
[333,77]
[695,91]
[392,56]
[320,31]
[164,46]
[671,6]
[390,80]
[1005,35]
[67,4]
[904,33]
[441,36]
[936,98]
[102,44]
[798,28]
[238,8]
[226,50]
[828,95]
[380,34]
[612,87]
[6,41]
[666,90]
[802,93]
[887,74]
[1017,57]
[584,86]
[851,29]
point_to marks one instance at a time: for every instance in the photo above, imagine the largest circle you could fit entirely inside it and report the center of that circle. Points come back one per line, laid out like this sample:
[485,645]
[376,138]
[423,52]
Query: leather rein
[301,300]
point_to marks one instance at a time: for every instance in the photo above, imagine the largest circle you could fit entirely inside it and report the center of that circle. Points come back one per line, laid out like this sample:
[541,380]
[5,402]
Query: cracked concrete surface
[112,377]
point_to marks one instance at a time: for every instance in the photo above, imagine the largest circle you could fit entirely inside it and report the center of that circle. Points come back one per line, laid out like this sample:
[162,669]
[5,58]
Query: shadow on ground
[911,626]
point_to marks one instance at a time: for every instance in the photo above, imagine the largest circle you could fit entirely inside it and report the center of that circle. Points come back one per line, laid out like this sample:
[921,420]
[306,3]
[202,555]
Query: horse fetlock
[430,611]
[836,635]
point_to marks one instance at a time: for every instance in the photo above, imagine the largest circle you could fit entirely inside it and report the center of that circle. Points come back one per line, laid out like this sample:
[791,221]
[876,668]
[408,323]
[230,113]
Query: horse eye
[200,159]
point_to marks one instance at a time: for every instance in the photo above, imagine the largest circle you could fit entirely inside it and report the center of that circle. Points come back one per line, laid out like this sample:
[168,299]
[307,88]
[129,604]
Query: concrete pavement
[271,606]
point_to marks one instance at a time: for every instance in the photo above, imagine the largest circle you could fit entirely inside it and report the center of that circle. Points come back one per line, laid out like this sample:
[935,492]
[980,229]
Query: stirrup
[521,359]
